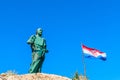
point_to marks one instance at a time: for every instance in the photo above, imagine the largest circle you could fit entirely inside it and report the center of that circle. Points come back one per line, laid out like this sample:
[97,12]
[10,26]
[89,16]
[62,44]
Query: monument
[38,47]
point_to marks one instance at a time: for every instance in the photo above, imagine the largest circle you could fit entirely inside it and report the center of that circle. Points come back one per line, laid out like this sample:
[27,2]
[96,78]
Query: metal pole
[83,61]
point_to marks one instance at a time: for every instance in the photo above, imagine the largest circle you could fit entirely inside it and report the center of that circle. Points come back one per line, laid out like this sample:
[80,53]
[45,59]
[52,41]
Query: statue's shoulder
[43,39]
[31,39]
[33,36]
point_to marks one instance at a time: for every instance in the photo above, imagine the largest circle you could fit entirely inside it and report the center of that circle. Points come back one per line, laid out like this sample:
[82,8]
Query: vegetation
[77,77]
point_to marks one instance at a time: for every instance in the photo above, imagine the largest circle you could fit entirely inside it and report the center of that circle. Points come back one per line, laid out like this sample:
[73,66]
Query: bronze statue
[38,46]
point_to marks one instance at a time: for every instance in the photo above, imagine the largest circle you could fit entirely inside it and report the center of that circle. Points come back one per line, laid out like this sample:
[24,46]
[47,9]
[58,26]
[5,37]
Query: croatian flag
[91,52]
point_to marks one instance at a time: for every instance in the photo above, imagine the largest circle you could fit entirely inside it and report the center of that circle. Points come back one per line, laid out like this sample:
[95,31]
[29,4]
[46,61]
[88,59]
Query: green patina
[38,46]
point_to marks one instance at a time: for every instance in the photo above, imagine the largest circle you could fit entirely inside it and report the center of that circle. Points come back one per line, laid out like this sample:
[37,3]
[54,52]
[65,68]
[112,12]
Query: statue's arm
[45,46]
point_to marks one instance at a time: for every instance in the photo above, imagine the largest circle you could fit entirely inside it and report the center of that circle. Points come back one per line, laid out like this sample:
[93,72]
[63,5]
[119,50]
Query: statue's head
[39,31]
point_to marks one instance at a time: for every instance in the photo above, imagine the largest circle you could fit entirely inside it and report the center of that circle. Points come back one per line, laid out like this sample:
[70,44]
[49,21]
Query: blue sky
[66,24]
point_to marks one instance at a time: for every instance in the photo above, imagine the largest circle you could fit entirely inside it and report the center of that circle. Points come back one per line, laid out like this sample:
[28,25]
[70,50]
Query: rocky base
[35,76]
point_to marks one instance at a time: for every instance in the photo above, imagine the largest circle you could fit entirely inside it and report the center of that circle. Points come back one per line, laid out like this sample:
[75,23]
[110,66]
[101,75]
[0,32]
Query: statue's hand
[45,51]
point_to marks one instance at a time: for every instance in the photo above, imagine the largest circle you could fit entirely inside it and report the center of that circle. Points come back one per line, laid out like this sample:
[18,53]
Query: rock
[3,74]
[37,76]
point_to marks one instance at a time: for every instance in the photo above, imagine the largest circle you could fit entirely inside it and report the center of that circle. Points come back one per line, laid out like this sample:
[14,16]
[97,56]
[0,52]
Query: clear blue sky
[66,24]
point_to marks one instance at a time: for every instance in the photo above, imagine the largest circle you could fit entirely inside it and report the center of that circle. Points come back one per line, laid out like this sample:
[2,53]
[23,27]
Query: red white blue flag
[91,52]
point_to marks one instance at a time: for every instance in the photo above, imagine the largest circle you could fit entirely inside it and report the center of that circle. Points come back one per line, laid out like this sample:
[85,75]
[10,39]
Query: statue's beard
[40,34]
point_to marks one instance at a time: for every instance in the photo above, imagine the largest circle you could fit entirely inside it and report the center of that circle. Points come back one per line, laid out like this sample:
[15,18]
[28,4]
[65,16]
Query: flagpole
[83,61]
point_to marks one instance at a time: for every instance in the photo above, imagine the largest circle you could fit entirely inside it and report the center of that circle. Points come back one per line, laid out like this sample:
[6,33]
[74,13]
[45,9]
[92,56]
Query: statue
[38,46]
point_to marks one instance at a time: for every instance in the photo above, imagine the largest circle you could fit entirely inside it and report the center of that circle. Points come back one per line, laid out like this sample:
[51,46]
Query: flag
[91,52]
